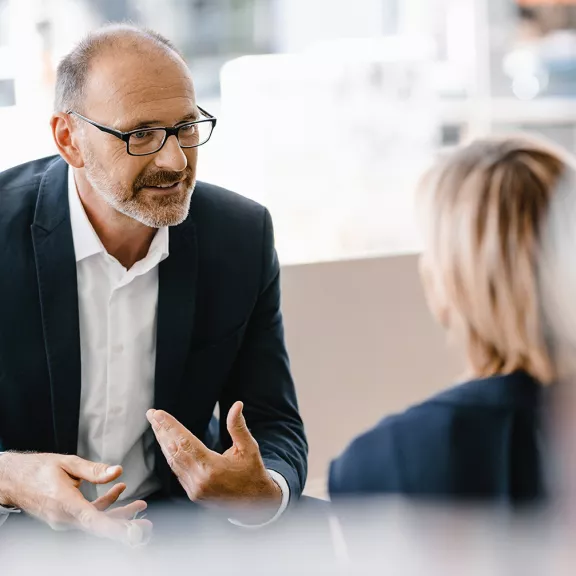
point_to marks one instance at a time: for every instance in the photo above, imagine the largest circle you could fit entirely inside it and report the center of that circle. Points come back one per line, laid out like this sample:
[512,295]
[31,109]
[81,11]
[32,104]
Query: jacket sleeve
[261,379]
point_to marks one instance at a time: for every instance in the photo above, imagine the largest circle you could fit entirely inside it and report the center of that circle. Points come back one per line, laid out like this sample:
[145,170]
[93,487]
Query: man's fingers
[88,519]
[237,428]
[129,511]
[104,502]
[174,438]
[94,472]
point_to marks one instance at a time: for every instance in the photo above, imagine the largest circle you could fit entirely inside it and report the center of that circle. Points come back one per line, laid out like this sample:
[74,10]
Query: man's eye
[142,135]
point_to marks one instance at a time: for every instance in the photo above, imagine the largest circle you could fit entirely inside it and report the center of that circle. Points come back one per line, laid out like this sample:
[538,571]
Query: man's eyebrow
[189,117]
[158,123]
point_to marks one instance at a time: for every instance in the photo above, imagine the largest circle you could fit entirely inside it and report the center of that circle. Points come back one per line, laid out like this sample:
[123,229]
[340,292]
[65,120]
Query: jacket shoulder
[211,201]
[19,188]
[25,175]
[423,449]
[228,223]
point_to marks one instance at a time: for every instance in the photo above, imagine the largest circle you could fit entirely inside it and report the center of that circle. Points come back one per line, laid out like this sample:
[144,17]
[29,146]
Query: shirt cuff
[5,512]
[281,481]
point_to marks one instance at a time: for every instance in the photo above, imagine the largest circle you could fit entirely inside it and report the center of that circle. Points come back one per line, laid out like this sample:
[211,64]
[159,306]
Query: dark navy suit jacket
[219,329]
[477,442]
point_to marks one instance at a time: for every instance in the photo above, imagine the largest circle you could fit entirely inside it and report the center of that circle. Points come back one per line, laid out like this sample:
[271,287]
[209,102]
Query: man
[133,300]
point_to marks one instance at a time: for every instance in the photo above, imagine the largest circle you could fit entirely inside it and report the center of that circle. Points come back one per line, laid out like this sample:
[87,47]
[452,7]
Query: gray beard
[169,214]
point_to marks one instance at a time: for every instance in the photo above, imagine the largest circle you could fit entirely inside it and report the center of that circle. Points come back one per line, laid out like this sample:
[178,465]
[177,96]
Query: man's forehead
[133,91]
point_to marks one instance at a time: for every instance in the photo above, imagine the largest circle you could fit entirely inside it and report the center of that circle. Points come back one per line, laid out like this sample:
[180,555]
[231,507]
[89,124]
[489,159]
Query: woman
[485,211]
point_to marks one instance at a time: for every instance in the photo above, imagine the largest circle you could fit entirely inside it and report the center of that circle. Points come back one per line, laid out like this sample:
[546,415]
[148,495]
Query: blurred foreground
[368,537]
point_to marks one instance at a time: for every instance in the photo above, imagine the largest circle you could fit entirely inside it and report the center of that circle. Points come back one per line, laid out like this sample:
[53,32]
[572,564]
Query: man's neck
[124,238]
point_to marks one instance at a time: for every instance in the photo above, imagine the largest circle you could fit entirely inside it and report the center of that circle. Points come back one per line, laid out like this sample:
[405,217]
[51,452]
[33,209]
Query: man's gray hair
[73,69]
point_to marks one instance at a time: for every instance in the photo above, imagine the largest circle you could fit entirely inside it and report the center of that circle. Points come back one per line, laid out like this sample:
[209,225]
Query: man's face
[129,91]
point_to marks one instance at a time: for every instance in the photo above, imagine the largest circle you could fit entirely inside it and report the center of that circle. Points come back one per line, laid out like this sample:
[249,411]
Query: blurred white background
[329,110]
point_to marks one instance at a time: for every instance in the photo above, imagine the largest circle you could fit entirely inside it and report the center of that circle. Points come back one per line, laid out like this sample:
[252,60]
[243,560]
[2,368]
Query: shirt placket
[113,429]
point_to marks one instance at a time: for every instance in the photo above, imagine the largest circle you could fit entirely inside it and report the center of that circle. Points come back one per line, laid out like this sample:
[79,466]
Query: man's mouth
[167,187]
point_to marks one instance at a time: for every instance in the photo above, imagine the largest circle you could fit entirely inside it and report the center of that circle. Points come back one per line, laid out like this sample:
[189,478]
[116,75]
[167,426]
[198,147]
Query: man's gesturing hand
[237,479]
[46,486]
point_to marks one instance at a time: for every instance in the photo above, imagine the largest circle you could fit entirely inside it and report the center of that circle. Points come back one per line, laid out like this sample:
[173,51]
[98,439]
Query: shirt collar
[159,244]
[86,241]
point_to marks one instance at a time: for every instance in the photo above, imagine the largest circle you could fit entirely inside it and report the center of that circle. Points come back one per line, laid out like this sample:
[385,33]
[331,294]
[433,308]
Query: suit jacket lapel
[58,291]
[57,285]
[176,306]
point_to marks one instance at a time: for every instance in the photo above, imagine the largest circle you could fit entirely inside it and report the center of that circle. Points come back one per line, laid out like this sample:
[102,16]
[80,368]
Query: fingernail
[150,414]
[111,470]
[159,417]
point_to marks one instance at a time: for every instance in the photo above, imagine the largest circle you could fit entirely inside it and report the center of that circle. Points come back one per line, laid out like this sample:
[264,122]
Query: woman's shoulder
[424,439]
[507,391]
[487,396]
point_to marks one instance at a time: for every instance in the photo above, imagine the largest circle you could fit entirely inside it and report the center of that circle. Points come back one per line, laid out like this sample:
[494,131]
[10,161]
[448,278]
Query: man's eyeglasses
[144,141]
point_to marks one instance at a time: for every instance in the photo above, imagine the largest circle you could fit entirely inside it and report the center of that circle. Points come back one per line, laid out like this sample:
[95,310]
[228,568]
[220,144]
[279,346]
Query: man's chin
[159,220]
[159,216]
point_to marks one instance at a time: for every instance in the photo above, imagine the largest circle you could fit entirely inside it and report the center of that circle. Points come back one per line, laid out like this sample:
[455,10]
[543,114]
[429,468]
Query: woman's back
[486,219]
[477,442]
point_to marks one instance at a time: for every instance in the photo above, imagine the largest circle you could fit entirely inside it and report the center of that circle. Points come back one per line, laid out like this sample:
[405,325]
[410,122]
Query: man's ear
[65,136]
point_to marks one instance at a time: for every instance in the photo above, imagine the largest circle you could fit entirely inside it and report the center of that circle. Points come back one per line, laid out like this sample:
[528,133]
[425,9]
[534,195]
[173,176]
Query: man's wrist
[273,508]
[6,500]
[280,481]
[276,491]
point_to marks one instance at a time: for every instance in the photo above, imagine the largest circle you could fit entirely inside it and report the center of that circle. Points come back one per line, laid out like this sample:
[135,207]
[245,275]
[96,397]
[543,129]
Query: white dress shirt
[117,313]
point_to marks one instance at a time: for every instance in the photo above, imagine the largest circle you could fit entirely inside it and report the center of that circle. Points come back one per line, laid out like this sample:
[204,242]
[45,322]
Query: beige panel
[362,345]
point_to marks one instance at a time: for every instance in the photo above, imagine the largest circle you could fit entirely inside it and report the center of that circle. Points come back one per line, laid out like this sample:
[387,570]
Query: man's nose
[171,156]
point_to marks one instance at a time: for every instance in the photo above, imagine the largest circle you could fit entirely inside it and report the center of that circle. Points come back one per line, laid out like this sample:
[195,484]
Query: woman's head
[483,211]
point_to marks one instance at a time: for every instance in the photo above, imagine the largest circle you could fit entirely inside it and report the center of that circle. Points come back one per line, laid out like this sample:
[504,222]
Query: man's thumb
[236,425]
[94,472]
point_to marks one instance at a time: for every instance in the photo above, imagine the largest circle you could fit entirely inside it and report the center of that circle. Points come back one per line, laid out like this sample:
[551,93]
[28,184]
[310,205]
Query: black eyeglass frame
[168,130]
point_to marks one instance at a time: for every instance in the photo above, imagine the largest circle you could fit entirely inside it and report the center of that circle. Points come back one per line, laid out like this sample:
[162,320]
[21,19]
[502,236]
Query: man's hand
[237,479]
[46,486]
[127,512]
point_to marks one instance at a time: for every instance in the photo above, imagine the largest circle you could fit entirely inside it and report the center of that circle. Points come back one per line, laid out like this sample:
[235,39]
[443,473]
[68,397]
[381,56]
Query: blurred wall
[300,24]
[362,345]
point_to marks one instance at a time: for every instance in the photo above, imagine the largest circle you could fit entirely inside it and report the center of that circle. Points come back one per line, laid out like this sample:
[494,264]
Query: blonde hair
[483,209]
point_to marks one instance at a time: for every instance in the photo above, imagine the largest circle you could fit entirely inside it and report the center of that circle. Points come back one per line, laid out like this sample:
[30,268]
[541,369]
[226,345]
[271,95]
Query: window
[7,89]
[328,114]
